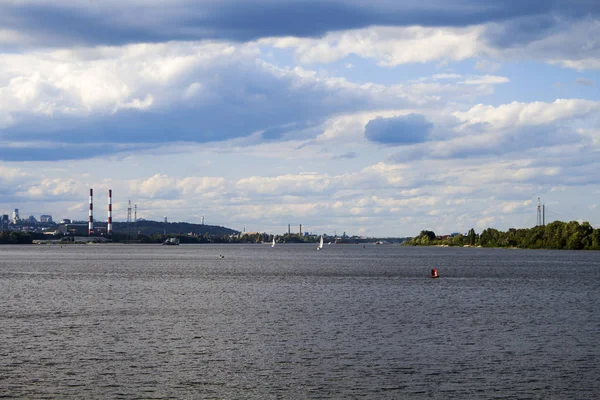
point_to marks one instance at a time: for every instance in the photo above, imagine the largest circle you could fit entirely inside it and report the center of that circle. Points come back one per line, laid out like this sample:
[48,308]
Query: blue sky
[373,118]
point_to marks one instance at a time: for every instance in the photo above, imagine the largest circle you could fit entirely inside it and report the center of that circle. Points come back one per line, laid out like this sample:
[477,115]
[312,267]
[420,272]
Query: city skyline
[378,119]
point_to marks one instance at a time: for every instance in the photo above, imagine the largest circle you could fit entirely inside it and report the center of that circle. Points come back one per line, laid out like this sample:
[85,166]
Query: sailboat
[273,245]
[320,246]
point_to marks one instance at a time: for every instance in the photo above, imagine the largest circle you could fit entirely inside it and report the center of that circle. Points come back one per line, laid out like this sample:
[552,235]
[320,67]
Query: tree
[471,237]
[458,240]
[595,245]
[556,235]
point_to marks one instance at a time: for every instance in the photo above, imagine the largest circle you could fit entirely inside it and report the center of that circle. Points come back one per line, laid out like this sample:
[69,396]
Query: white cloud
[410,203]
[9,174]
[580,64]
[201,185]
[446,76]
[511,206]
[592,136]
[389,46]
[522,114]
[286,184]
[486,222]
[161,186]
[106,79]
[571,45]
[485,80]
[487,66]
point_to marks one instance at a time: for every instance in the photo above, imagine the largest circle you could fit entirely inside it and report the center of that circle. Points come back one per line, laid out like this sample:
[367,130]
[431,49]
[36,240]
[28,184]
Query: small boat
[320,246]
[434,273]
[382,242]
[221,256]
[273,245]
[171,242]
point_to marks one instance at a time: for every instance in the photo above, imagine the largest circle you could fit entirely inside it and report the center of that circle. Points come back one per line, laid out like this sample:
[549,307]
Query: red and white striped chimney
[109,222]
[91,217]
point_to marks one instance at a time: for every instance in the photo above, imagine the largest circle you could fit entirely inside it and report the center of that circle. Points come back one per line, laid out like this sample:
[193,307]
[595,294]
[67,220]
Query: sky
[374,118]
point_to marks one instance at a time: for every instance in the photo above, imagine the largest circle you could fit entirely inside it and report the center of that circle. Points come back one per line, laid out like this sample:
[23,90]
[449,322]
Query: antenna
[539,214]
[129,219]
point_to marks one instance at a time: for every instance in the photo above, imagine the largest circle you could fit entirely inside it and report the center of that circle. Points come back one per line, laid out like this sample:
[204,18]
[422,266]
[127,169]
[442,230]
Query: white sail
[273,245]
[320,244]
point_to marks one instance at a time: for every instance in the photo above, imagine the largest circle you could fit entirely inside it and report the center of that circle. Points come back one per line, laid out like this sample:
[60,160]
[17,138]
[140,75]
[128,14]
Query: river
[350,321]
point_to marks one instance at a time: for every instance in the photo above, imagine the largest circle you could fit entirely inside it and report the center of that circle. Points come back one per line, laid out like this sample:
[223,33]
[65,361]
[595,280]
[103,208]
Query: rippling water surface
[149,321]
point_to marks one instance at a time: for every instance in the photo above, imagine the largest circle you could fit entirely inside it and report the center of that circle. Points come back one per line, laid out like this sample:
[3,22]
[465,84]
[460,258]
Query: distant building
[15,217]
[31,220]
[74,229]
[4,221]
[66,221]
[46,219]
[248,233]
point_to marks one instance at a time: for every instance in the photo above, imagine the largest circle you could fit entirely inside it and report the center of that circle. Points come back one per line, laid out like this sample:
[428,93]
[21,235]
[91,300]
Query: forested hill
[556,235]
[170,228]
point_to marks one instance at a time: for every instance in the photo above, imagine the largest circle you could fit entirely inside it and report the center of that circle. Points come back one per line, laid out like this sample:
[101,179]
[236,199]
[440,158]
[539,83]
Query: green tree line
[556,235]
[14,237]
[7,237]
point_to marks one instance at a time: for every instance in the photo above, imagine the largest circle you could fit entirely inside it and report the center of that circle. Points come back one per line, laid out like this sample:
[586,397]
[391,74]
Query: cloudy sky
[369,117]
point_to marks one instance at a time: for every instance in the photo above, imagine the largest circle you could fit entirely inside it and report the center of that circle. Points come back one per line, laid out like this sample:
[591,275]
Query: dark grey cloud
[402,130]
[521,30]
[68,23]
[64,151]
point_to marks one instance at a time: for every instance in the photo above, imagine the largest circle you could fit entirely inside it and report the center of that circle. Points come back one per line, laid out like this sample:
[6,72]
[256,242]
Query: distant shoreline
[554,236]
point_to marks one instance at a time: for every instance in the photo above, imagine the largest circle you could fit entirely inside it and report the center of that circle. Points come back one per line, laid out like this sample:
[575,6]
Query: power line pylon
[129,213]
[129,219]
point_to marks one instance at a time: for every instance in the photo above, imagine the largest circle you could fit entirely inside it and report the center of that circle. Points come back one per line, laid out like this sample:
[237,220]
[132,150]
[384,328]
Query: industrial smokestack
[300,229]
[109,221]
[289,227]
[91,215]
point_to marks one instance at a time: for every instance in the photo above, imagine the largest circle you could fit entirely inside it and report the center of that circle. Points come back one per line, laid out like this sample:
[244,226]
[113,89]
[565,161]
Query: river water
[151,321]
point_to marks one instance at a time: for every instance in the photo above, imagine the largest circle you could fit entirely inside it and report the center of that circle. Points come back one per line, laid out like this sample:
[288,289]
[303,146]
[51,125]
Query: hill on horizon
[146,227]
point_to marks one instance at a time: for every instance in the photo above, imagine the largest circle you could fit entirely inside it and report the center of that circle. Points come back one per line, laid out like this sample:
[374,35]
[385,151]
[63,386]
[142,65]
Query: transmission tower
[129,220]
[135,218]
[541,214]
[129,213]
